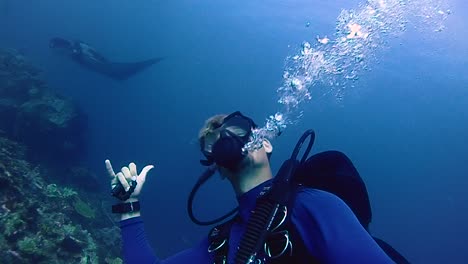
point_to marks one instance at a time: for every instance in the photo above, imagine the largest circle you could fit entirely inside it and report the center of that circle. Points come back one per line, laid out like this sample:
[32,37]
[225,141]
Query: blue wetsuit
[328,227]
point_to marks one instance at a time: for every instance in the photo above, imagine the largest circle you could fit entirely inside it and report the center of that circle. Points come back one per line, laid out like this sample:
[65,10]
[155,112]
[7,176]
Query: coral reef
[44,222]
[41,219]
[50,125]
[83,208]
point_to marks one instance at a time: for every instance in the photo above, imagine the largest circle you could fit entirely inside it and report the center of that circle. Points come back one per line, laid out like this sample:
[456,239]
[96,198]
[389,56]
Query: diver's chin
[244,165]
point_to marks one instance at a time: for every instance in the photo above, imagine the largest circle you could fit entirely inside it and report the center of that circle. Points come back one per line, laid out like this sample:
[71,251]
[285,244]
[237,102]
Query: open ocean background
[404,124]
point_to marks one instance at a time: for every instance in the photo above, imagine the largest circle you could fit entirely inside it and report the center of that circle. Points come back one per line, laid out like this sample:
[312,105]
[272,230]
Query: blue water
[404,123]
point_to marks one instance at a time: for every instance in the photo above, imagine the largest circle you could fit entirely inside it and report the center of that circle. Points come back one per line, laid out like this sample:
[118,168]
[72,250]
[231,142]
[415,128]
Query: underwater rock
[8,109]
[50,125]
[85,178]
[72,244]
[11,256]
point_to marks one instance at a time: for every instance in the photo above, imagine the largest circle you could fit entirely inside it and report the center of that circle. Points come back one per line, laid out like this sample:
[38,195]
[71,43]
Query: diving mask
[225,146]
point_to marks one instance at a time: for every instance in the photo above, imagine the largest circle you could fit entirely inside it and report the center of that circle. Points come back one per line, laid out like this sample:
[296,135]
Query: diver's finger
[109,168]
[126,173]
[114,182]
[123,181]
[144,172]
[133,169]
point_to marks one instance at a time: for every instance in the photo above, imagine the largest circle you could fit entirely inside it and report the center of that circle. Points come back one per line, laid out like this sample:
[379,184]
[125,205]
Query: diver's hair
[210,125]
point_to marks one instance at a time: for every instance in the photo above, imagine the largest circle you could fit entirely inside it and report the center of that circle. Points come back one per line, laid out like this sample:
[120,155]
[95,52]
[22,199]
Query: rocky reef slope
[44,218]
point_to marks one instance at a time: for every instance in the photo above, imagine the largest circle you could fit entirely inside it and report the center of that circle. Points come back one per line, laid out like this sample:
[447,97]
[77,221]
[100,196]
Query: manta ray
[88,57]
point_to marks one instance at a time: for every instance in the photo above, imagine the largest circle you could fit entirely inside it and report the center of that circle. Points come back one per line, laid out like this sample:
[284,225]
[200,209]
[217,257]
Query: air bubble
[359,34]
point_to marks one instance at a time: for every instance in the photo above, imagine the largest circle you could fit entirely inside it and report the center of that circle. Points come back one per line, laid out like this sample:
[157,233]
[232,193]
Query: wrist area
[126,216]
[128,209]
[131,200]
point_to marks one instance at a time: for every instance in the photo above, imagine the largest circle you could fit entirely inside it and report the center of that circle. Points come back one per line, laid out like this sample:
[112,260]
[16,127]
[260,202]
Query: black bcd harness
[279,241]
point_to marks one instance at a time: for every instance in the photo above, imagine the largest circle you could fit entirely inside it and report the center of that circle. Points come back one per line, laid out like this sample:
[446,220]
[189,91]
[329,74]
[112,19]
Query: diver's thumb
[144,172]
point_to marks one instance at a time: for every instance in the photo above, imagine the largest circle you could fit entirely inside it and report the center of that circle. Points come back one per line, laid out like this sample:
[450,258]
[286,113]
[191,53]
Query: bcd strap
[268,207]
[279,244]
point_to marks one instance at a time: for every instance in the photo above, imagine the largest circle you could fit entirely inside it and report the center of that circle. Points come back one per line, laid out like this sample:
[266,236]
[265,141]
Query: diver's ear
[267,146]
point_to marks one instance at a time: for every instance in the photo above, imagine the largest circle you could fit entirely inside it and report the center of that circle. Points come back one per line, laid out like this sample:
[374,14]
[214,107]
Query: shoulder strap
[299,253]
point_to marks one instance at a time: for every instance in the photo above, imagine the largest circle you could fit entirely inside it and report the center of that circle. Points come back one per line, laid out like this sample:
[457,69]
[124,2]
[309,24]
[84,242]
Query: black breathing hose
[203,178]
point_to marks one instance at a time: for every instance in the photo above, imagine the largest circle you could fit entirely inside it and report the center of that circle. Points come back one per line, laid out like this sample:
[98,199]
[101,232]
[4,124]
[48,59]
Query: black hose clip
[119,191]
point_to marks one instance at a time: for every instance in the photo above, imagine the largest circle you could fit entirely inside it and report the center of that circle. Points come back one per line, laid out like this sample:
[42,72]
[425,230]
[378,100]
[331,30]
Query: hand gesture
[126,176]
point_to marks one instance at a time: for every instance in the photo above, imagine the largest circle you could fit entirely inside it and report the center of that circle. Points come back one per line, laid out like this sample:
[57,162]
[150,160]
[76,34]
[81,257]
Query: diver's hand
[125,176]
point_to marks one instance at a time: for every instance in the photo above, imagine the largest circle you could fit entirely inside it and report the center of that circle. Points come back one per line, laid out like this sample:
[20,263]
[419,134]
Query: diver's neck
[249,181]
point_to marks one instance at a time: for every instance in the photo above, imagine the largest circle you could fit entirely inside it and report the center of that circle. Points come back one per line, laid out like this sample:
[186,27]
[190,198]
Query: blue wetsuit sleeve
[331,232]
[136,248]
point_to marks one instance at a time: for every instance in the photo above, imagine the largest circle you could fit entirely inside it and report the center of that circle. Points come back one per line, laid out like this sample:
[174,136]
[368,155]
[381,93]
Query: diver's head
[222,139]
[60,43]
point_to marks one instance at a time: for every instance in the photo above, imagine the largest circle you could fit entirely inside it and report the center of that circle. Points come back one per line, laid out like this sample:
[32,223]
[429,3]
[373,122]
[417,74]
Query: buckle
[119,192]
[216,246]
[279,244]
[279,219]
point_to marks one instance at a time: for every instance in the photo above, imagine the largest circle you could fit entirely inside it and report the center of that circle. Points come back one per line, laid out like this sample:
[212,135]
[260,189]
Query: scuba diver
[89,58]
[314,210]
